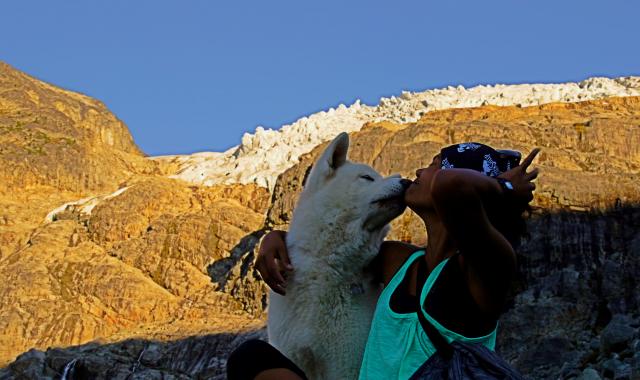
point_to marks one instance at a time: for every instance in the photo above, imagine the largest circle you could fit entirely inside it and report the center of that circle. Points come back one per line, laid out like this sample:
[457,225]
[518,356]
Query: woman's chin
[408,201]
[416,205]
[412,207]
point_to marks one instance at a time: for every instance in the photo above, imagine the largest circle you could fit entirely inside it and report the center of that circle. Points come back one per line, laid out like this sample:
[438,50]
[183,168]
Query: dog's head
[348,195]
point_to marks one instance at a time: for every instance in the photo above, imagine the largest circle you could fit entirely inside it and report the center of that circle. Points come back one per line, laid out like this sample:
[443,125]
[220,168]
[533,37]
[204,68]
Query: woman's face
[418,195]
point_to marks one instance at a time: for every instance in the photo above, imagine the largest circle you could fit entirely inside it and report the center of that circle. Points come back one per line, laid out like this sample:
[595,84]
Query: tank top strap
[431,279]
[488,340]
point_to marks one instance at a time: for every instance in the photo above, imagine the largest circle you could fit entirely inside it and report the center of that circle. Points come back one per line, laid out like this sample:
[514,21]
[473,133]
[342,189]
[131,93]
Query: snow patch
[263,155]
[84,205]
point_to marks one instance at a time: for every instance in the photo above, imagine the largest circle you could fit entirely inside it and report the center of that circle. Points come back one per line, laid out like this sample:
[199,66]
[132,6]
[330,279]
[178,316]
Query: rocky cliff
[60,138]
[578,305]
[590,155]
[55,146]
[94,242]
[137,259]
[152,277]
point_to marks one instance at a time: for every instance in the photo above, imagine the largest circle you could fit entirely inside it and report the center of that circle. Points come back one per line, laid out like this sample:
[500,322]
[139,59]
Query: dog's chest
[346,304]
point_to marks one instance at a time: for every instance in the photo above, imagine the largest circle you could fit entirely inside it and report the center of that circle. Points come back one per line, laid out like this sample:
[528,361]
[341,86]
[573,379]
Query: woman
[473,217]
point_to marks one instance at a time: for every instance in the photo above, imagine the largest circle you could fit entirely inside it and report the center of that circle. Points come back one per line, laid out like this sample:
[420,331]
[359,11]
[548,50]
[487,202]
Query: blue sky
[188,76]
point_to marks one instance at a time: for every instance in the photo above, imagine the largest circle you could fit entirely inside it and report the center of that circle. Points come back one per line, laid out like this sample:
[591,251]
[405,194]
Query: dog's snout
[405,182]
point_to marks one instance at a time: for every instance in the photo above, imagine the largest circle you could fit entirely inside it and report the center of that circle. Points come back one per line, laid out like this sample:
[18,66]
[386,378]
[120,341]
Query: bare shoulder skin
[390,258]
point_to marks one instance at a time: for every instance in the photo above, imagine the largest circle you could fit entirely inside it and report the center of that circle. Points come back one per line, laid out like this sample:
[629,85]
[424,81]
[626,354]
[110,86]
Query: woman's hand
[522,181]
[273,261]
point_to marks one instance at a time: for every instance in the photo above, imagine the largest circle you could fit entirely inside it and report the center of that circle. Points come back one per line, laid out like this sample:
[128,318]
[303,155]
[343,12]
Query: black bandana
[479,157]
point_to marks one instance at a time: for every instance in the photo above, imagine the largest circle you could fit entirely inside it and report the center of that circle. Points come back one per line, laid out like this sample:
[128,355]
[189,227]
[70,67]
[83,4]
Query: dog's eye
[367,177]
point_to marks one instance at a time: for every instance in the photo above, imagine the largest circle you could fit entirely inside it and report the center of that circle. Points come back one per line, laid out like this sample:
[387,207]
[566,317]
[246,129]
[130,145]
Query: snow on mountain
[262,156]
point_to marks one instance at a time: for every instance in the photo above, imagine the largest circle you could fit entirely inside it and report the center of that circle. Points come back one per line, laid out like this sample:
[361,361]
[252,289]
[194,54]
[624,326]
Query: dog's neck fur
[336,255]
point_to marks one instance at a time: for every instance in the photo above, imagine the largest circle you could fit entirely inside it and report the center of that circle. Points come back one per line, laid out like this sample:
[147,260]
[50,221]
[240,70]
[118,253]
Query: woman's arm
[273,261]
[461,197]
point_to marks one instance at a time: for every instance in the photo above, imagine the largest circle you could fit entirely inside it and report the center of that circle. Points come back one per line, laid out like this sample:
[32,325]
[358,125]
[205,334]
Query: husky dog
[338,225]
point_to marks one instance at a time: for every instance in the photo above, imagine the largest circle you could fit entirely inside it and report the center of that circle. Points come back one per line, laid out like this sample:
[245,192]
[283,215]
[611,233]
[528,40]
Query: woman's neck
[440,245]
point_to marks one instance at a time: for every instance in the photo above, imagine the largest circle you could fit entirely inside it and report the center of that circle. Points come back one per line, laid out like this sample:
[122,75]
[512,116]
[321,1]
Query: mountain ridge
[262,156]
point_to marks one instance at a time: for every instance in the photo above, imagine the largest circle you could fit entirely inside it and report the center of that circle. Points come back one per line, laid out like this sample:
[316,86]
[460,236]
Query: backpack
[459,360]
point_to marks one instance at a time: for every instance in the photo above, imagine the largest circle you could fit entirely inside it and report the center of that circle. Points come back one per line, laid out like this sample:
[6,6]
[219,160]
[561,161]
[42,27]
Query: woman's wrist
[506,186]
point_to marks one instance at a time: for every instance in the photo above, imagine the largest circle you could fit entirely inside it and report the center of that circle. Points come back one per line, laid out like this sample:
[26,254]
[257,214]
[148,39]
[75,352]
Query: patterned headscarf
[479,157]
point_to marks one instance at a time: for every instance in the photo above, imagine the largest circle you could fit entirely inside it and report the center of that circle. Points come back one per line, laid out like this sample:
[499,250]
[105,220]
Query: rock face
[578,304]
[198,357]
[152,277]
[55,146]
[94,242]
[138,259]
[590,157]
[49,136]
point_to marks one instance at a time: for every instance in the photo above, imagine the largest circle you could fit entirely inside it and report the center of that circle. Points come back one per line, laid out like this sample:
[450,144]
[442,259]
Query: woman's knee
[254,357]
[239,363]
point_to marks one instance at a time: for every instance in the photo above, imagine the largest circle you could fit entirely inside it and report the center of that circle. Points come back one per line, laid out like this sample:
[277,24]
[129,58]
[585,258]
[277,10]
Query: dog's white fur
[338,225]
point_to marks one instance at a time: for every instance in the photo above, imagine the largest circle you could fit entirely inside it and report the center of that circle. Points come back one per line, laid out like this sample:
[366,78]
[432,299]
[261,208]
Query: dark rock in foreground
[201,357]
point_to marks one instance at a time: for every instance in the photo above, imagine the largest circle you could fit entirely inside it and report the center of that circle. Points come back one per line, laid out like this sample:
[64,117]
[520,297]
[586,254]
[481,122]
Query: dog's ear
[331,159]
[336,153]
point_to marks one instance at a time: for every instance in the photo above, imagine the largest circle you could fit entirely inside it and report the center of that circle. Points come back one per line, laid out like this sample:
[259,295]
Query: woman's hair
[510,221]
[504,214]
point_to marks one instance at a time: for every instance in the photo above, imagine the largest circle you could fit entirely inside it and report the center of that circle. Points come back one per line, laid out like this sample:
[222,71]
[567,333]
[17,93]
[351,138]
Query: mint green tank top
[397,345]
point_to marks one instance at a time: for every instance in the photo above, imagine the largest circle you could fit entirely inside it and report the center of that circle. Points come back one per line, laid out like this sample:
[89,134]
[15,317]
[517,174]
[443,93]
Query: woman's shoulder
[392,255]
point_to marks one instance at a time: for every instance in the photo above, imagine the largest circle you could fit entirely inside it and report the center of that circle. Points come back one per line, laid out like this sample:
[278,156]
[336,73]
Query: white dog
[338,225]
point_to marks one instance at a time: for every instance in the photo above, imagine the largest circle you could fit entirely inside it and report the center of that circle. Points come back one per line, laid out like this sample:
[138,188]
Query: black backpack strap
[439,342]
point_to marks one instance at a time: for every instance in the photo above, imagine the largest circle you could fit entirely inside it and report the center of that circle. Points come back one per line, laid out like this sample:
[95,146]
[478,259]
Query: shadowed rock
[580,264]
[199,357]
